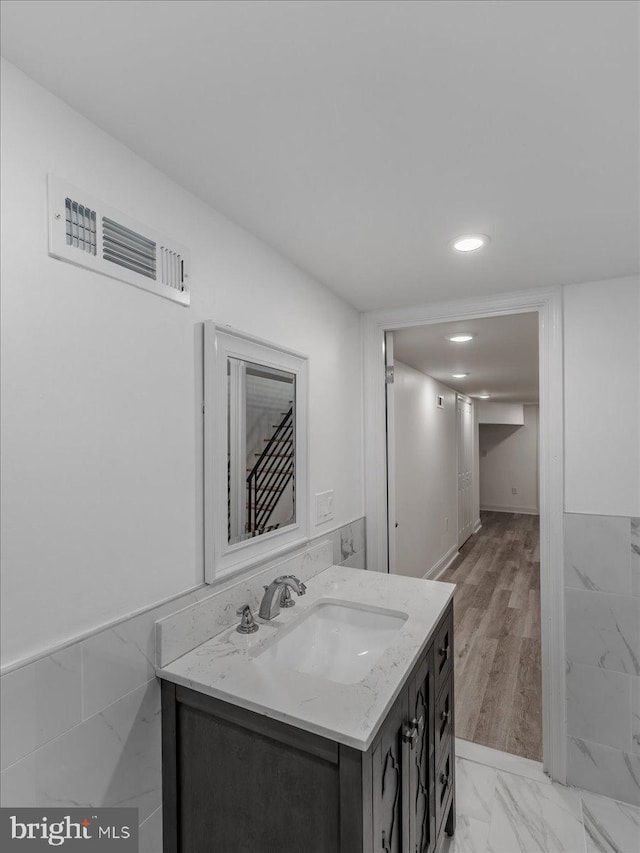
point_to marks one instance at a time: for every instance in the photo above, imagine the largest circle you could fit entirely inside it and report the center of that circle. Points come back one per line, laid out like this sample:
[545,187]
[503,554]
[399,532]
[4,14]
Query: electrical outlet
[514,491]
[324,506]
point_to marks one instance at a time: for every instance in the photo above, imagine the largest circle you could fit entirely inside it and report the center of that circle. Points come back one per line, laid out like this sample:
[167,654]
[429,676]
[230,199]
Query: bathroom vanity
[279,741]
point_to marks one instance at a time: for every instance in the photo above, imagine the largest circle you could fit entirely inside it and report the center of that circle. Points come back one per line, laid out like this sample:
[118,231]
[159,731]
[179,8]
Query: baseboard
[476,527]
[520,510]
[442,565]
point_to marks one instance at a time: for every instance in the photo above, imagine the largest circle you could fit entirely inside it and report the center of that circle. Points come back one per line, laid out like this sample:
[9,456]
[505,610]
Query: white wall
[426,471]
[500,413]
[102,384]
[602,397]
[508,460]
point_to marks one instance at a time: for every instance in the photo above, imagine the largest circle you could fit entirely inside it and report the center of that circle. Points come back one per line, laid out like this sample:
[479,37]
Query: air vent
[128,249]
[80,226]
[91,234]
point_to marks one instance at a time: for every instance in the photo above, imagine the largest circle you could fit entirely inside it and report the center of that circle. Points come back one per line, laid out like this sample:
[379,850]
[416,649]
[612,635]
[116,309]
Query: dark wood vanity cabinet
[235,781]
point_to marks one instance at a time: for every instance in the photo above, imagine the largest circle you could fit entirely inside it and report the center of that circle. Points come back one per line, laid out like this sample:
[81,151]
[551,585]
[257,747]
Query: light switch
[324,506]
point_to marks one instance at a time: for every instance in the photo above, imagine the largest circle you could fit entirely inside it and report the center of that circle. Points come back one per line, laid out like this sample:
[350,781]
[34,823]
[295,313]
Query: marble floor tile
[529,816]
[610,827]
[470,836]
[501,760]
[475,787]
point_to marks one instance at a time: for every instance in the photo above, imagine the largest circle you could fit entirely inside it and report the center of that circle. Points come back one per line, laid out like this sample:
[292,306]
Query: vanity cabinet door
[421,759]
[390,784]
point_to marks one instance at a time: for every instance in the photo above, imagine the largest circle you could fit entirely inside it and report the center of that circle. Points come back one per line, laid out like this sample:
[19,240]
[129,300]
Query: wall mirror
[256,504]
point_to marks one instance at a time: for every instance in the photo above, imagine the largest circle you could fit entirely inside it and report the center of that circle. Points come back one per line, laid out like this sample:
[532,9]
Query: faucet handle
[247,624]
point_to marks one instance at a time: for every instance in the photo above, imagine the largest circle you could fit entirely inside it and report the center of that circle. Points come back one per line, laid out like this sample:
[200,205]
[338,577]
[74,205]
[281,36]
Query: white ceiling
[358,138]
[502,360]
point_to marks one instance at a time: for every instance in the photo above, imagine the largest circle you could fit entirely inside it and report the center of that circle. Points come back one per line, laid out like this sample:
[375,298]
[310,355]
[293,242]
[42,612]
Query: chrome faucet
[270,605]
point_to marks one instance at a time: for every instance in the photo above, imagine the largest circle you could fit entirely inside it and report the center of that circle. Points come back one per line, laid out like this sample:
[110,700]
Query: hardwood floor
[498,676]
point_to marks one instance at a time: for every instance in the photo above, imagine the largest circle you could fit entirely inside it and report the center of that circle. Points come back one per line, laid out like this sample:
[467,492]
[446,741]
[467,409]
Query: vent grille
[171,268]
[128,249]
[80,225]
[93,235]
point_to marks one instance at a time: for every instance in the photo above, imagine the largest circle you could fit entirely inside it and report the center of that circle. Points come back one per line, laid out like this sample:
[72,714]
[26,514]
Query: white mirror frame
[221,557]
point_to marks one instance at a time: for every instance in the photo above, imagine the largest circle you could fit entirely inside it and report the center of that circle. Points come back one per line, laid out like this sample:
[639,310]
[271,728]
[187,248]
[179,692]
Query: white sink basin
[337,641]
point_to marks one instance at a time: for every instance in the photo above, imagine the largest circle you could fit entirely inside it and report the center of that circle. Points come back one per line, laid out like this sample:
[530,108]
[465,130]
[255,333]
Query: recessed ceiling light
[459,375]
[460,338]
[484,396]
[470,242]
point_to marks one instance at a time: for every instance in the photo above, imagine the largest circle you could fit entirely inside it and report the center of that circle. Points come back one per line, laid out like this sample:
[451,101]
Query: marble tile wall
[602,602]
[81,726]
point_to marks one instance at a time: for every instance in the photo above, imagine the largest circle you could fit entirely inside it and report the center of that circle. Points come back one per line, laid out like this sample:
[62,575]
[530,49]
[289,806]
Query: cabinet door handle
[444,651]
[444,780]
[412,731]
[444,715]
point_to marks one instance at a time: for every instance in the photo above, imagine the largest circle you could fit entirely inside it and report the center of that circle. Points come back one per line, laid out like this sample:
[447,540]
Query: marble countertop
[226,667]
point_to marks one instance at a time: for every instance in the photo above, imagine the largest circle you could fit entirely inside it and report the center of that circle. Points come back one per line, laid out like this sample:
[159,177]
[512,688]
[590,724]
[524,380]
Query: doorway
[380,532]
[465,489]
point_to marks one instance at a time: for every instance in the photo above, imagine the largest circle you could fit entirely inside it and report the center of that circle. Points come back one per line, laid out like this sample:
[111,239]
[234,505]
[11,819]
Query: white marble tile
[610,826]
[111,759]
[475,786]
[599,705]
[528,816]
[355,561]
[352,539]
[38,702]
[635,556]
[150,833]
[501,760]
[603,630]
[120,659]
[635,715]
[17,784]
[603,770]
[597,553]
[470,836]
[183,631]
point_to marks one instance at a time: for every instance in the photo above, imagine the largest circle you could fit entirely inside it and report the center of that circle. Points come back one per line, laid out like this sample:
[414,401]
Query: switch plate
[324,506]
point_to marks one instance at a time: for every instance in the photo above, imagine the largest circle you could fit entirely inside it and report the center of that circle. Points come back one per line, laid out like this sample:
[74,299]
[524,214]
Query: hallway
[497,635]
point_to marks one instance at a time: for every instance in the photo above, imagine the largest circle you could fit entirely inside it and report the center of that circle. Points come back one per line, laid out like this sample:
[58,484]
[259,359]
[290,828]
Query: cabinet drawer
[444,785]
[443,651]
[443,720]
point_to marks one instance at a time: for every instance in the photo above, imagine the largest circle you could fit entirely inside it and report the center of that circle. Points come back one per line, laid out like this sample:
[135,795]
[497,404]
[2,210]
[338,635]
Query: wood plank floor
[498,676]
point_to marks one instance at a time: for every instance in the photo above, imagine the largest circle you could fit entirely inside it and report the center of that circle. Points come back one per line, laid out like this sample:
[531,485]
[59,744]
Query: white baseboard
[442,565]
[477,526]
[522,510]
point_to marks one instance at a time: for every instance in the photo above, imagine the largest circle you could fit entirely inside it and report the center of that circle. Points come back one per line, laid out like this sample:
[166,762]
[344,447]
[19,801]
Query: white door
[464,433]
[391,454]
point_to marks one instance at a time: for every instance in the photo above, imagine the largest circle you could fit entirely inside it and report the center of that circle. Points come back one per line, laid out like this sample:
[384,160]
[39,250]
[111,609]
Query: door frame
[474,465]
[548,303]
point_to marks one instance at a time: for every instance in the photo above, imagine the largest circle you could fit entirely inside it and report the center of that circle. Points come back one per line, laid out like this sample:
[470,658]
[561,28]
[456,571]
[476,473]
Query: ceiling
[358,138]
[502,360]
